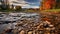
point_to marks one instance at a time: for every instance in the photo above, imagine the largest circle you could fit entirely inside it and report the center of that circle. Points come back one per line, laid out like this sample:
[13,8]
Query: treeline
[50,4]
[10,7]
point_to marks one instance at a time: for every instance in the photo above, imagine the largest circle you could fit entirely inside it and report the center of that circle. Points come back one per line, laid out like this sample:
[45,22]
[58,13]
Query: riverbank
[52,16]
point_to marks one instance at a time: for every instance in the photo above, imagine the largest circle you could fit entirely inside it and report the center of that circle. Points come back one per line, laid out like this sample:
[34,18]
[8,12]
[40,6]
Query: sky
[28,3]
[33,3]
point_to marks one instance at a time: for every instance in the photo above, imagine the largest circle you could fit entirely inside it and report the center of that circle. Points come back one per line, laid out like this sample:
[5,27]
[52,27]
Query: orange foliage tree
[48,4]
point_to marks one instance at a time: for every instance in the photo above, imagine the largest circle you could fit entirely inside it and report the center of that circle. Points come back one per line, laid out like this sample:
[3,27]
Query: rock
[22,32]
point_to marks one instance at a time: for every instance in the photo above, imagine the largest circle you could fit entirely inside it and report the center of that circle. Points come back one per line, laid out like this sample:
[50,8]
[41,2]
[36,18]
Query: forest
[49,4]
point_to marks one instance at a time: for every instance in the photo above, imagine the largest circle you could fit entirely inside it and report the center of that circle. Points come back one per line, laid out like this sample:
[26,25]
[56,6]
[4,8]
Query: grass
[52,10]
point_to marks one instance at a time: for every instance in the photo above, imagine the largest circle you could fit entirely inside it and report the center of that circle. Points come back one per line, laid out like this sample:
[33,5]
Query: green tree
[18,8]
[4,7]
[57,3]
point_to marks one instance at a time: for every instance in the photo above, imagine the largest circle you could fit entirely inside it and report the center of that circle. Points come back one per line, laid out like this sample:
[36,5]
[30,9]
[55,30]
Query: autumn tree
[48,4]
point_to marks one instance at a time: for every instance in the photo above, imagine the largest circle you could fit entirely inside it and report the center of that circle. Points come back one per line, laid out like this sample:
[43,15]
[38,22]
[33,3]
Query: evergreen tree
[18,8]
[57,3]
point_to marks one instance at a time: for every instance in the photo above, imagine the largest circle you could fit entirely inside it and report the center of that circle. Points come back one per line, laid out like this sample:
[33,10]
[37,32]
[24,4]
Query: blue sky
[33,3]
[29,3]
[25,3]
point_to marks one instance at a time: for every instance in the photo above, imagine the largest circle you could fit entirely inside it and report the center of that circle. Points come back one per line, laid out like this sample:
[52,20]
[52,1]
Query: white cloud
[22,3]
[30,7]
[17,2]
[0,3]
[35,6]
